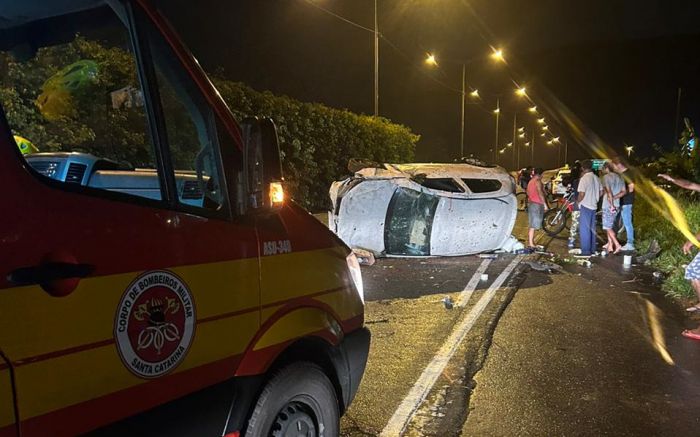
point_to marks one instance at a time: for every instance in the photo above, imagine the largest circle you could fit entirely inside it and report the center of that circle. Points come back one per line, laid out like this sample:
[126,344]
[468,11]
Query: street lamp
[521,92]
[474,94]
[497,55]
[540,120]
[532,109]
[545,128]
[629,150]
[430,60]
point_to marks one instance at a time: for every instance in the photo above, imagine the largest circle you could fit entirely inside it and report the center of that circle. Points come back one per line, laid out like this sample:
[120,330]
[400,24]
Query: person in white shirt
[589,192]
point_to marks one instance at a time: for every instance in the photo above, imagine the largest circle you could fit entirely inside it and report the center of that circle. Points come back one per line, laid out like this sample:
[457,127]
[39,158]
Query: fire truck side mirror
[263,164]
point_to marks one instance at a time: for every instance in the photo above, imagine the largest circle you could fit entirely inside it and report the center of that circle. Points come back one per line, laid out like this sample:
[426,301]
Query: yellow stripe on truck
[70,379]
[302,273]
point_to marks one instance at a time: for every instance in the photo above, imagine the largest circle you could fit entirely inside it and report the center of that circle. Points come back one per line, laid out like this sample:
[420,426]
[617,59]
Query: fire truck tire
[298,400]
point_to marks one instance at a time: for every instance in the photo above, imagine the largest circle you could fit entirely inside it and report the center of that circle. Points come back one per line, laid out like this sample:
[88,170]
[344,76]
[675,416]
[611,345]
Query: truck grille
[190,190]
[75,173]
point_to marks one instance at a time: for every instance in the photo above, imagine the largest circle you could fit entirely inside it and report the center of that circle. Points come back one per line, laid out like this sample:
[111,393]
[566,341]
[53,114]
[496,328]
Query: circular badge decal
[154,324]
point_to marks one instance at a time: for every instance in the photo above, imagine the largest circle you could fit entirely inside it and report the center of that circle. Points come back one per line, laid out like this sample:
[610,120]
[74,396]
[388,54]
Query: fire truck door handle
[48,272]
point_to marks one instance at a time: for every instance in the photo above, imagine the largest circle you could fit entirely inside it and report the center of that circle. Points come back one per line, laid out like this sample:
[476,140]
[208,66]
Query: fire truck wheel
[299,400]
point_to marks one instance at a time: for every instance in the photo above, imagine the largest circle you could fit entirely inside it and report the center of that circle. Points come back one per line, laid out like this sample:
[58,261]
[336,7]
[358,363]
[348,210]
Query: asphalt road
[582,352]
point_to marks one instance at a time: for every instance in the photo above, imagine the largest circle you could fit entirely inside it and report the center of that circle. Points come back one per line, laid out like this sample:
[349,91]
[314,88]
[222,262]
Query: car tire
[298,398]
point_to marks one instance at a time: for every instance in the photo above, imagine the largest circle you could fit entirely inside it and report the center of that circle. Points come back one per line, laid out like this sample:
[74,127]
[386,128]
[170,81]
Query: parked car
[425,209]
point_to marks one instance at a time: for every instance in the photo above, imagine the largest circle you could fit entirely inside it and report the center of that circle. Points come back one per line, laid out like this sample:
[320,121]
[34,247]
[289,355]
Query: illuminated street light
[509,145]
[545,128]
[521,92]
[556,140]
[497,55]
[550,142]
[522,135]
[543,134]
[430,60]
[532,109]
[527,144]
[497,111]
[521,129]
[629,150]
[540,120]
[474,94]
[502,151]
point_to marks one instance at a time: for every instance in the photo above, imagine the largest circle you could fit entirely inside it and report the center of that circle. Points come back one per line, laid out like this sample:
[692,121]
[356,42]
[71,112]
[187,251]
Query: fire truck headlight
[356,274]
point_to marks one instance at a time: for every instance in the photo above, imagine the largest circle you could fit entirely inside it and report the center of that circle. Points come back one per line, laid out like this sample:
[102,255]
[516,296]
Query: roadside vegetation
[649,225]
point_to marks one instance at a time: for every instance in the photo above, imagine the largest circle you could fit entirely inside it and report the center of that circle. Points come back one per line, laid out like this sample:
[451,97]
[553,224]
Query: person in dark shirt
[626,202]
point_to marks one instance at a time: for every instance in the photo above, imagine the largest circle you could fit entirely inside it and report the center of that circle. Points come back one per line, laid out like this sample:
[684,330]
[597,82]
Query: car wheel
[299,400]
[522,201]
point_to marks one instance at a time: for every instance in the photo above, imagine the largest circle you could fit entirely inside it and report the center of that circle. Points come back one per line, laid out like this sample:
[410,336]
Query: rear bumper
[350,362]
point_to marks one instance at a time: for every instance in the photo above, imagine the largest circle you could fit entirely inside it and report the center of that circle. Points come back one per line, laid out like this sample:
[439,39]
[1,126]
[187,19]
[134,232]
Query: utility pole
[376,62]
[498,113]
[566,151]
[464,97]
[532,150]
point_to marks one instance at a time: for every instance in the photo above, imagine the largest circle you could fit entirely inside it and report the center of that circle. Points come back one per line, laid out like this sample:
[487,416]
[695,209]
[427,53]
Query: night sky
[617,64]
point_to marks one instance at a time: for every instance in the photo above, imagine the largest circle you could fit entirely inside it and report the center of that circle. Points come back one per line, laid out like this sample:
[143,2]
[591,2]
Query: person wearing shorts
[614,189]
[536,205]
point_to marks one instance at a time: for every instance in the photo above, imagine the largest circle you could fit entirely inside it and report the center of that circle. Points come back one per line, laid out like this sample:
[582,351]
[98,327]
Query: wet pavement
[586,351]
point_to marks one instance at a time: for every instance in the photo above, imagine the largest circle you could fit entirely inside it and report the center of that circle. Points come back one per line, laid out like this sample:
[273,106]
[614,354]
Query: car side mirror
[263,164]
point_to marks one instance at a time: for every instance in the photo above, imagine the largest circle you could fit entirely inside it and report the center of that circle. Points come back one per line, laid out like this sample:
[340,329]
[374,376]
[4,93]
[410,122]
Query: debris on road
[576,251]
[652,252]
[584,262]
[543,266]
[484,277]
[364,257]
[512,245]
[488,256]
[658,276]
[448,302]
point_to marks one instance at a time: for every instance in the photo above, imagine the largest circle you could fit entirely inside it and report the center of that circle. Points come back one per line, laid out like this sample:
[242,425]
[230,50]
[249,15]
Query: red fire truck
[155,281]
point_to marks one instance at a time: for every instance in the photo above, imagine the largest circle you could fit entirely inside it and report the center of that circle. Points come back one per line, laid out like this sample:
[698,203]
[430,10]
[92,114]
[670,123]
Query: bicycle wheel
[554,221]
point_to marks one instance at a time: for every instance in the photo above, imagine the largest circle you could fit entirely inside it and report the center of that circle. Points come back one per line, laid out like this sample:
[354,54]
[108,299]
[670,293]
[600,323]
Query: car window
[478,186]
[442,184]
[409,222]
[190,131]
[75,104]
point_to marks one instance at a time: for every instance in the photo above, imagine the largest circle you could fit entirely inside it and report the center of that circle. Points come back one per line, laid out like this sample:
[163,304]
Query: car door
[113,300]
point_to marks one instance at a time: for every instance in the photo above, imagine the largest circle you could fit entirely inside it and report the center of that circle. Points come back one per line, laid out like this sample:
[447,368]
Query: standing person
[525,176]
[574,179]
[589,192]
[692,272]
[536,205]
[614,189]
[626,202]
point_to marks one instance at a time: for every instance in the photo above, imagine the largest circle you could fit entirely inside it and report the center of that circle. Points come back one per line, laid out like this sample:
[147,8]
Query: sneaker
[628,248]
[575,251]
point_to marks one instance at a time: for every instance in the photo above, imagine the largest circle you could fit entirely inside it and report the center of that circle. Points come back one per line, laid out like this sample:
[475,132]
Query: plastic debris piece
[364,257]
[488,256]
[543,266]
[584,262]
[524,251]
[484,277]
[448,302]
[576,251]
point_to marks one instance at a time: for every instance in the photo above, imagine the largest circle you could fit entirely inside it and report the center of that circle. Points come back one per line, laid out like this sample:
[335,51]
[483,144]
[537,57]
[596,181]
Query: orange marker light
[276,193]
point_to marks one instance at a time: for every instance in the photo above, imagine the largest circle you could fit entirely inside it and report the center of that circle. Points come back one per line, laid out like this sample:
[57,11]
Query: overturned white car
[425,209]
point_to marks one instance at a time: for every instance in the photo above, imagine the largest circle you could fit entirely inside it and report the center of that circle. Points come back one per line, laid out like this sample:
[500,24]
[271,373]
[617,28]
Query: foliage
[671,261]
[316,141]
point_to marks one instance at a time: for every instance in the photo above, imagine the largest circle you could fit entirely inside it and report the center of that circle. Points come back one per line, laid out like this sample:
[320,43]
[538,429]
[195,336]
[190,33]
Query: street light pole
[498,114]
[461,131]
[566,151]
[376,62]
[532,151]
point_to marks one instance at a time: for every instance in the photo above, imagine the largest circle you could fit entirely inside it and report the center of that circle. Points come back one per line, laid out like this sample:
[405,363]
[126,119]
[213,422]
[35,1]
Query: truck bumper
[350,361]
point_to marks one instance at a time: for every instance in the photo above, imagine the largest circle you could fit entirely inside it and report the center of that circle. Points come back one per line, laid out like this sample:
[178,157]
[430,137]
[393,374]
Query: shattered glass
[409,222]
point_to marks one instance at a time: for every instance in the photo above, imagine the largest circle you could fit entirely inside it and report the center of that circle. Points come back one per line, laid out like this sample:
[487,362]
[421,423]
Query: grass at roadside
[649,225]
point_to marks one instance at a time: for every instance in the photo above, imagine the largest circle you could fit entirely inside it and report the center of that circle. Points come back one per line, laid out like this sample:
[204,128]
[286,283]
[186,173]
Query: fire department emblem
[154,324]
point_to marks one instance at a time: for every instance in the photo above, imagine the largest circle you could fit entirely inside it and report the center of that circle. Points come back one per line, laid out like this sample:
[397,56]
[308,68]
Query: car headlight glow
[356,275]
